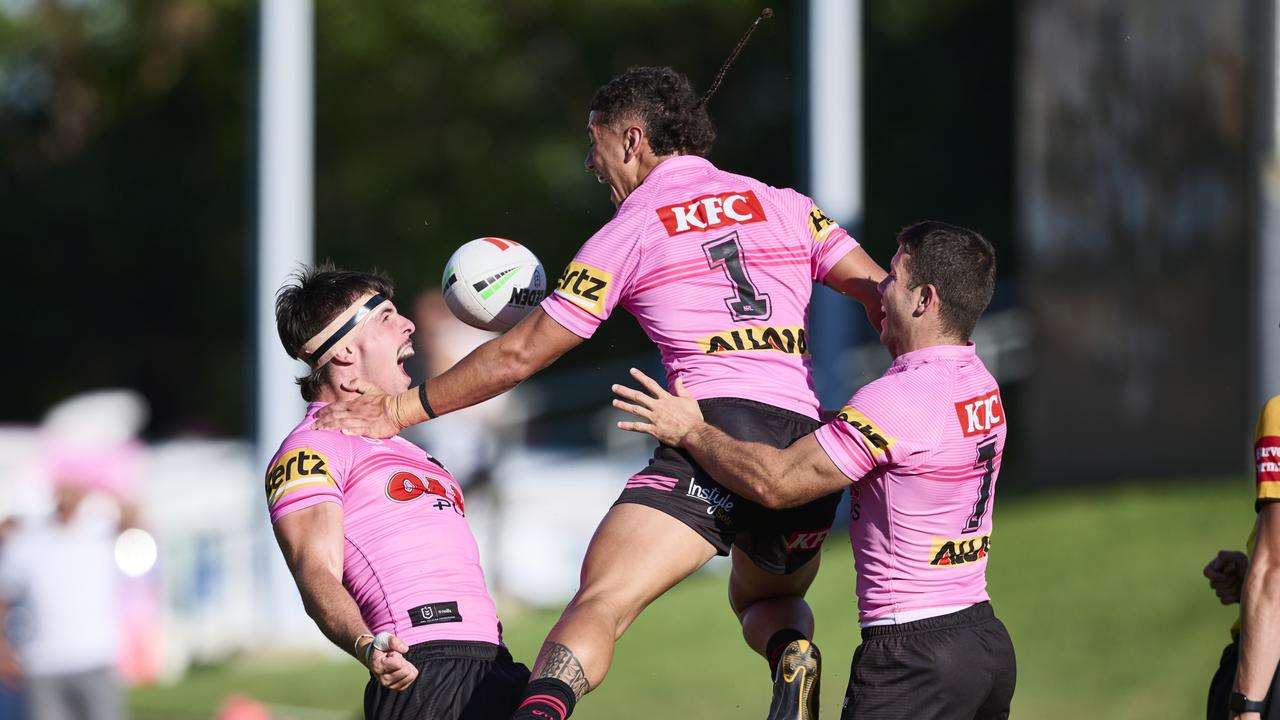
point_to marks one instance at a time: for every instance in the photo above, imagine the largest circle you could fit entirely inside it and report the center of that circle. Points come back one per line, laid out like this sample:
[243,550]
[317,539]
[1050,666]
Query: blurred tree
[122,175]
[126,157]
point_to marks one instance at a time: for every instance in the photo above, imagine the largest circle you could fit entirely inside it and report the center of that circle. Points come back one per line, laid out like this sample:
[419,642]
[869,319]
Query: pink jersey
[410,560]
[718,269]
[922,445]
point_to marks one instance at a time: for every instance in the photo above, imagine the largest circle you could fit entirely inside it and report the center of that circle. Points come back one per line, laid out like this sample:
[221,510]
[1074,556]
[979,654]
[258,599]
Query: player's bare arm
[858,276]
[491,369]
[766,475]
[1260,612]
[311,540]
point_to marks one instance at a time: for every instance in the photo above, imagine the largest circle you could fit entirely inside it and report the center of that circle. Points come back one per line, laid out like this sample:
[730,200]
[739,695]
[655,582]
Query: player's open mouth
[406,352]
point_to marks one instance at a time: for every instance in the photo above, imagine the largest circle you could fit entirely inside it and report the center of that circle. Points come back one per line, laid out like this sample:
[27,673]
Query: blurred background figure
[469,442]
[10,670]
[61,579]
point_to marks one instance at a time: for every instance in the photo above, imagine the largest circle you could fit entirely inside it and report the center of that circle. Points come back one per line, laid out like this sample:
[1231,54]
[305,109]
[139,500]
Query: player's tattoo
[559,662]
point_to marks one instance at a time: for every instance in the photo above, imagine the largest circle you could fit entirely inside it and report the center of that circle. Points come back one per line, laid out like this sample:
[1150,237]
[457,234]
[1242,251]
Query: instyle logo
[717,499]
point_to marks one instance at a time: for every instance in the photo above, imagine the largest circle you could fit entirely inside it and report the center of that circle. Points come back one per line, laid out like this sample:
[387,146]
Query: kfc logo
[980,415]
[712,211]
[806,540]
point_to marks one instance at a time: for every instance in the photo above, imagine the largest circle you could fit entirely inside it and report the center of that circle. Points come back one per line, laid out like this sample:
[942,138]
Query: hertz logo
[295,469]
[789,340]
[878,442]
[585,286]
[949,553]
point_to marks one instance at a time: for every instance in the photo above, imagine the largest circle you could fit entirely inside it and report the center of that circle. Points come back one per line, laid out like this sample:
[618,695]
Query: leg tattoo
[559,662]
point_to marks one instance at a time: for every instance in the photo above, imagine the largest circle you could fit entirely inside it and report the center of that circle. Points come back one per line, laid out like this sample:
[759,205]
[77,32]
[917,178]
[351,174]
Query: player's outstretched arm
[766,475]
[491,369]
[311,540]
[1260,611]
[858,276]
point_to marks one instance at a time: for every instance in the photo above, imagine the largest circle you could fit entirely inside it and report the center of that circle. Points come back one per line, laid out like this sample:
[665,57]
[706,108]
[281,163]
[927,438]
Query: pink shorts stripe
[657,482]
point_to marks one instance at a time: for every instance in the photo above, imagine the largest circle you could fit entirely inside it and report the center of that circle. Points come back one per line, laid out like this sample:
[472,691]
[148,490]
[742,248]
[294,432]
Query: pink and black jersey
[718,269]
[922,445]
[410,560]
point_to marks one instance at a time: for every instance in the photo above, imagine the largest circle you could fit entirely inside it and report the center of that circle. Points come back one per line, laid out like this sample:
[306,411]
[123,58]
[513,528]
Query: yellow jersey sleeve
[1266,453]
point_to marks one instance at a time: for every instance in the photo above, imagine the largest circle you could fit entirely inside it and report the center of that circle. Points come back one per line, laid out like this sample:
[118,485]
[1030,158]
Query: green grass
[1101,589]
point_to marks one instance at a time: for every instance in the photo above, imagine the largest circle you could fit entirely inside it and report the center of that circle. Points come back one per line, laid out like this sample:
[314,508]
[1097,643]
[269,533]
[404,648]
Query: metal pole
[1266,265]
[284,206]
[835,174]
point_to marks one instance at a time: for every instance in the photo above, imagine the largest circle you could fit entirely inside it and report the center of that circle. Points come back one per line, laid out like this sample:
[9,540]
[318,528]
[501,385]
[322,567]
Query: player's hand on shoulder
[368,414]
[670,418]
[1226,574]
[390,666]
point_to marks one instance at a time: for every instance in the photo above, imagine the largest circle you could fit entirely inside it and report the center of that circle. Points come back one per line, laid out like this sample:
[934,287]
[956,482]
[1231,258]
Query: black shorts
[958,665]
[1220,687]
[457,680]
[778,541]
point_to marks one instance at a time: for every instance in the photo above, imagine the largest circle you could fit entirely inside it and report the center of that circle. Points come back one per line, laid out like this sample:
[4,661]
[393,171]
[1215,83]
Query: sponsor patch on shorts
[435,613]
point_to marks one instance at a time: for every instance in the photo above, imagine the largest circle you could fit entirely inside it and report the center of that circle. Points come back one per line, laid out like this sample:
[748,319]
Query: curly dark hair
[663,101]
[957,261]
[311,299]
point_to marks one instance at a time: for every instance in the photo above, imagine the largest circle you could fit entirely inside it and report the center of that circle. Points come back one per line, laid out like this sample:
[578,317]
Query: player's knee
[743,602]
[603,608]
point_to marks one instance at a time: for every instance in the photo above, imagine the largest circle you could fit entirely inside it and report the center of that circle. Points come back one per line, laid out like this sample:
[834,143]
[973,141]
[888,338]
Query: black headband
[341,332]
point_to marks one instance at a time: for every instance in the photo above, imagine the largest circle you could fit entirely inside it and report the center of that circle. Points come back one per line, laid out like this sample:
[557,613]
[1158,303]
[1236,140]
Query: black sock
[778,643]
[546,699]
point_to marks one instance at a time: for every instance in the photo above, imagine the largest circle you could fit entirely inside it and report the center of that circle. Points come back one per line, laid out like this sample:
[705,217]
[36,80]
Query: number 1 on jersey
[987,463]
[747,303]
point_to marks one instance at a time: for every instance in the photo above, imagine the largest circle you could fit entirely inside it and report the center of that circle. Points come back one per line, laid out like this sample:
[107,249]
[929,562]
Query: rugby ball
[491,283]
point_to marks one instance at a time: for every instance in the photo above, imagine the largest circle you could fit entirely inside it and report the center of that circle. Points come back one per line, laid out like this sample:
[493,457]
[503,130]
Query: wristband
[1238,703]
[355,646]
[426,405]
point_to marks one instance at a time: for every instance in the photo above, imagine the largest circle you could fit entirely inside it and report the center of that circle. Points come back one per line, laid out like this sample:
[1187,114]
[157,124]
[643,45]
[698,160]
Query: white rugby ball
[491,283]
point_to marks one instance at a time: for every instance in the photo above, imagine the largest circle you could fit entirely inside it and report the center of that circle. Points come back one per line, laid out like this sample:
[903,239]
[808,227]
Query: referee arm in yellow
[1260,613]
[311,540]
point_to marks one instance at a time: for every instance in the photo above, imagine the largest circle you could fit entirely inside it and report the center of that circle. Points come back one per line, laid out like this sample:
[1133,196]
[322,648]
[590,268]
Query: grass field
[1101,590]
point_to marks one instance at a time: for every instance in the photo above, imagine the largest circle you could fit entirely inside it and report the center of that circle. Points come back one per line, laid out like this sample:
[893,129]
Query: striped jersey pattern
[922,446]
[718,269]
[410,561]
